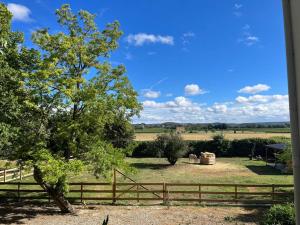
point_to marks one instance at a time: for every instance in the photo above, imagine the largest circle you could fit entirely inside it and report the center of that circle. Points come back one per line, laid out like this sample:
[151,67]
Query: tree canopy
[63,104]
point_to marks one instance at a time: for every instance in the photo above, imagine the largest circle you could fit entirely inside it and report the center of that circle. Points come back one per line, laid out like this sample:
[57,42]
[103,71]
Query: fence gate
[136,190]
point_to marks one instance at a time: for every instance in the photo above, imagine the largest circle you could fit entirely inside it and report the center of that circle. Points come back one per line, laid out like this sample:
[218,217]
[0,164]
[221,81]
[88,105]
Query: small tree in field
[172,145]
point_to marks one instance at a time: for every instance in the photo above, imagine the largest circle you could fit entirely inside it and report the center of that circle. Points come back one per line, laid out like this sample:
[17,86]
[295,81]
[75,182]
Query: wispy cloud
[247,37]
[238,6]
[20,12]
[186,39]
[254,89]
[237,10]
[158,82]
[142,38]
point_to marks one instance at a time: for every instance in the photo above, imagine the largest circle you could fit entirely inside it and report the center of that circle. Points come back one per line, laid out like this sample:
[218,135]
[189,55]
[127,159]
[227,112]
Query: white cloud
[143,38]
[20,12]
[150,93]
[182,101]
[193,89]
[261,99]
[254,89]
[254,108]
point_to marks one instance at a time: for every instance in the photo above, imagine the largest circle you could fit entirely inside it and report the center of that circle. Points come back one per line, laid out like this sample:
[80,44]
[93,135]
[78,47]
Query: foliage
[280,215]
[120,133]
[16,62]
[103,158]
[221,147]
[51,111]
[172,146]
[145,149]
[55,171]
[286,156]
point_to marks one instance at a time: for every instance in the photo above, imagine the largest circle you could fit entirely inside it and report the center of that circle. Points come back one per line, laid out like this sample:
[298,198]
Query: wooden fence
[157,192]
[7,175]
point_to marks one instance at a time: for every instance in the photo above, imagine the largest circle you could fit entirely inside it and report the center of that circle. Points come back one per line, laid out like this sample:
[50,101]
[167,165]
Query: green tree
[172,146]
[69,114]
[15,62]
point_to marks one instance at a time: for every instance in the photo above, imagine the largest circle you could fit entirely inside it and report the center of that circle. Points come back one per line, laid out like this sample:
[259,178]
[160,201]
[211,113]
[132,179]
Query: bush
[172,146]
[220,146]
[146,149]
[280,215]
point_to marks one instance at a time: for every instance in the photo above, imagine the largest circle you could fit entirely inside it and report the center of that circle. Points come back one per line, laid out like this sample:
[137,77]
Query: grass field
[225,171]
[230,135]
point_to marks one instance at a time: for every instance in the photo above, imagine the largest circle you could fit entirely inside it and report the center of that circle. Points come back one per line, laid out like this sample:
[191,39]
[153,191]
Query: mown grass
[226,171]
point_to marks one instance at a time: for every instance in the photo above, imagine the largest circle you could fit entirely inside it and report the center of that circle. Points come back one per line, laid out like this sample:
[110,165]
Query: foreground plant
[58,119]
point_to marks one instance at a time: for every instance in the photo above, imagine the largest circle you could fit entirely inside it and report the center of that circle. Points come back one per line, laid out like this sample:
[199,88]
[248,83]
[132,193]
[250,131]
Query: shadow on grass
[150,166]
[192,163]
[254,215]
[19,213]
[264,170]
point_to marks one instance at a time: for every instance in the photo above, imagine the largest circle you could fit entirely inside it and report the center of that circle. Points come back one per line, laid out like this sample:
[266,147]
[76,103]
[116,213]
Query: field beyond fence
[155,192]
[14,174]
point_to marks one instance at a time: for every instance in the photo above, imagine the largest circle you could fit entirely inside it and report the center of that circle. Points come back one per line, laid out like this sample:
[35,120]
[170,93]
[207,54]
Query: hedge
[224,148]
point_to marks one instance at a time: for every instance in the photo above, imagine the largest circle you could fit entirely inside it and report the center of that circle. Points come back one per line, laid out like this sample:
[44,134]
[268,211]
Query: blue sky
[190,61]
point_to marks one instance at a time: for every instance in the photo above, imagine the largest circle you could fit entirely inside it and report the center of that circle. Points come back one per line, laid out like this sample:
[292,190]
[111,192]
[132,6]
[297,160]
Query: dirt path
[130,215]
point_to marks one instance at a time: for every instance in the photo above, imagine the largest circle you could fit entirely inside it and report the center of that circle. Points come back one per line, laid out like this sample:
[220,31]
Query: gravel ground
[129,215]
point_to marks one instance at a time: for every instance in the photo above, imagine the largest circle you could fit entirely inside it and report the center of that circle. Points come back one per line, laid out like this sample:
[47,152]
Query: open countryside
[230,135]
[147,113]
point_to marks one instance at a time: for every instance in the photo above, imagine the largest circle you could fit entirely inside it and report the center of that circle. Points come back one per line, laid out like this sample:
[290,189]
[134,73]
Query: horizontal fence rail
[8,175]
[157,192]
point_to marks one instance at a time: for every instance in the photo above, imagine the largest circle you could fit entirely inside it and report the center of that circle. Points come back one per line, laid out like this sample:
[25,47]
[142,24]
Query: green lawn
[226,170]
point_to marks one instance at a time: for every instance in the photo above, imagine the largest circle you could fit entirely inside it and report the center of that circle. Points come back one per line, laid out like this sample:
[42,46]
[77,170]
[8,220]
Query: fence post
[114,187]
[164,193]
[81,192]
[137,193]
[200,195]
[273,193]
[20,173]
[4,176]
[18,191]
[235,194]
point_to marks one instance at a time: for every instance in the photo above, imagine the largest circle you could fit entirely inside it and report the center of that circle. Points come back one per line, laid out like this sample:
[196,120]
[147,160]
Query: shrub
[219,146]
[280,215]
[172,145]
[146,149]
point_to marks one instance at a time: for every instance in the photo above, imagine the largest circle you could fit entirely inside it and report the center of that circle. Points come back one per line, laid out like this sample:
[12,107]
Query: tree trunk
[55,194]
